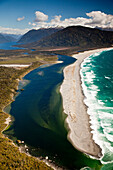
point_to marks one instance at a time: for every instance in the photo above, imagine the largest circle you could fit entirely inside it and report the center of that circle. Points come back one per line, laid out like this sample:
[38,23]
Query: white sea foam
[97,54]
[108,130]
[107,77]
[101,117]
[105,124]
[94,87]
[108,136]
[105,115]
[108,145]
[101,102]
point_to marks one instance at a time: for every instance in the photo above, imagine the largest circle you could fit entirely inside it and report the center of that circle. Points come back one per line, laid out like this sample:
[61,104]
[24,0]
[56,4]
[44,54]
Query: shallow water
[39,118]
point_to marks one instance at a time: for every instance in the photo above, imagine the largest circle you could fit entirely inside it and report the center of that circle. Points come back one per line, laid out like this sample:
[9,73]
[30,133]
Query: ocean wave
[101,115]
[107,77]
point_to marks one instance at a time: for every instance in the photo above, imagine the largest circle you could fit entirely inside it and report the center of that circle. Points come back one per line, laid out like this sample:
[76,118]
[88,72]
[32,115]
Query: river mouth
[39,118]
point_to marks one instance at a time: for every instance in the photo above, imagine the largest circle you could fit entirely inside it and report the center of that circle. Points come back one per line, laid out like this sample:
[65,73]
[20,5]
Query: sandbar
[77,121]
[14,65]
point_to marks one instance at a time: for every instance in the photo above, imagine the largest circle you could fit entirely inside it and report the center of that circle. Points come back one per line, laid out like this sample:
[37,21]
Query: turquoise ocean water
[49,138]
[97,83]
[39,118]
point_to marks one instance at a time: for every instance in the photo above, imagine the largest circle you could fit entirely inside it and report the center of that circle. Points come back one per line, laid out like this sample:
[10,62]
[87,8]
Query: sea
[9,46]
[38,119]
[97,83]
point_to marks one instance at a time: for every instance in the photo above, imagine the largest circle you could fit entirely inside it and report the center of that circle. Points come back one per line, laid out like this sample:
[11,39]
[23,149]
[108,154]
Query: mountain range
[75,36]
[5,38]
[36,35]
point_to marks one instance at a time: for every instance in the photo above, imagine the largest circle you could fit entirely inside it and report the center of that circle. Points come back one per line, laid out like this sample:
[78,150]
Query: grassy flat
[10,156]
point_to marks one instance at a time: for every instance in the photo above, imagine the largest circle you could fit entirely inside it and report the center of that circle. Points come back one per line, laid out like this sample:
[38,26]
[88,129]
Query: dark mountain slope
[36,35]
[10,38]
[76,36]
[3,39]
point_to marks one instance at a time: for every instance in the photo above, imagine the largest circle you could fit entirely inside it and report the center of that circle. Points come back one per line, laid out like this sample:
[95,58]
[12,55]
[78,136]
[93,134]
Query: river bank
[8,119]
[41,75]
[8,148]
[54,136]
[73,102]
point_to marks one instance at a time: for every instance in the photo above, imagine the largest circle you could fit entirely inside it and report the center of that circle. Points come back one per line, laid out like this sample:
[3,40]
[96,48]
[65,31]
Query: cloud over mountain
[40,16]
[100,19]
[13,30]
[93,19]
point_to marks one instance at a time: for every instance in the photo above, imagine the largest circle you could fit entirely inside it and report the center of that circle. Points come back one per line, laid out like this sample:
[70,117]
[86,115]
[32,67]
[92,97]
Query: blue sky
[18,16]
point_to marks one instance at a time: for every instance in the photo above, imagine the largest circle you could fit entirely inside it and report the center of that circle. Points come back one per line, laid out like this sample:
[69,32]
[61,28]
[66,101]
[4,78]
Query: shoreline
[22,148]
[8,120]
[15,65]
[79,133]
[72,116]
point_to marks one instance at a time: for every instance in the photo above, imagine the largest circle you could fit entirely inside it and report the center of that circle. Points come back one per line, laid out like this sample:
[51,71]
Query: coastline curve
[78,120]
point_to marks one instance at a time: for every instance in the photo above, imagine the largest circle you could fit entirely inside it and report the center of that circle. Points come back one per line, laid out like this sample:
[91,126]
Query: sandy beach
[73,103]
[15,65]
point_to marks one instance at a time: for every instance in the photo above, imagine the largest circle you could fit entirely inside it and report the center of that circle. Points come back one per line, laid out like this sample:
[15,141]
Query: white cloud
[13,30]
[93,19]
[20,19]
[29,23]
[100,19]
[96,19]
[56,18]
[33,24]
[40,16]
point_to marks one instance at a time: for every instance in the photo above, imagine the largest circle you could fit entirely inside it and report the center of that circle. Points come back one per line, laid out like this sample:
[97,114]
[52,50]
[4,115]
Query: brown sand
[77,118]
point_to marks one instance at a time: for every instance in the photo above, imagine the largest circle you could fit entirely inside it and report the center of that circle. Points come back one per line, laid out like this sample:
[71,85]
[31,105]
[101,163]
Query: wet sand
[77,119]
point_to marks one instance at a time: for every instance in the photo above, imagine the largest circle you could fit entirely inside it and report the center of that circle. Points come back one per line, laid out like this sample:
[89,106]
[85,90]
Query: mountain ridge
[5,38]
[35,35]
[77,36]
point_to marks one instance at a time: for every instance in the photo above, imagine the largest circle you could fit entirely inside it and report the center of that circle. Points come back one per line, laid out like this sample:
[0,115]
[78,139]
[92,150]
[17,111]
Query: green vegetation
[10,156]
[76,36]
[19,61]
[24,56]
